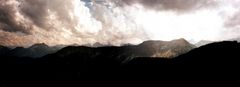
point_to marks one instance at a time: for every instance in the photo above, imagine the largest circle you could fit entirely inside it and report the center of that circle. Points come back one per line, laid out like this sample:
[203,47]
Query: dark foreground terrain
[216,64]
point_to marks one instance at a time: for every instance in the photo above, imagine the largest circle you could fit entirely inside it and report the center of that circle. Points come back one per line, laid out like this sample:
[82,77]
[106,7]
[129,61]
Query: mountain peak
[156,43]
[180,41]
[39,45]
[97,44]
[151,42]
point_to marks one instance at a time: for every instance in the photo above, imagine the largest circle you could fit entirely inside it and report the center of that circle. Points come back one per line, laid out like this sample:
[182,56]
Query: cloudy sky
[25,22]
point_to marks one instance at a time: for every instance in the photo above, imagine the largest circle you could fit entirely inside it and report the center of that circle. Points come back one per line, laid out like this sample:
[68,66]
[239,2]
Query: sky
[116,22]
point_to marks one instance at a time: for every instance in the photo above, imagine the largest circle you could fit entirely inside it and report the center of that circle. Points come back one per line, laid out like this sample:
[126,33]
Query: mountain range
[151,48]
[166,49]
[34,51]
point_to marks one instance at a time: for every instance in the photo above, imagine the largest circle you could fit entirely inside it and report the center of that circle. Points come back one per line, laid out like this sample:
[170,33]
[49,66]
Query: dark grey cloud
[176,5]
[8,19]
[233,21]
[34,11]
[38,11]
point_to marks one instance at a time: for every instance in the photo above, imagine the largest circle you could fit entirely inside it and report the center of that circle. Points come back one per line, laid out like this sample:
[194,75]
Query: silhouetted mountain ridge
[235,39]
[152,48]
[34,51]
[226,52]
[203,42]
[114,54]
[4,50]
[214,64]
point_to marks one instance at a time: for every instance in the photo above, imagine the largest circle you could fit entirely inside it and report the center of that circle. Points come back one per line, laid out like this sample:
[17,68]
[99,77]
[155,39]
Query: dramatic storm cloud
[177,5]
[25,22]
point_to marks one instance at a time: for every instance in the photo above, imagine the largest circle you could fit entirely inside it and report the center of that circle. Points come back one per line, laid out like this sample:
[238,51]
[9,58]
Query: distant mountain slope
[235,39]
[203,42]
[35,51]
[167,49]
[112,54]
